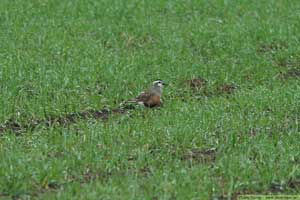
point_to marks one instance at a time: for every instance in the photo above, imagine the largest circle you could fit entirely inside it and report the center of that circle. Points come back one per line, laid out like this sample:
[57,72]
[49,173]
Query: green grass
[59,57]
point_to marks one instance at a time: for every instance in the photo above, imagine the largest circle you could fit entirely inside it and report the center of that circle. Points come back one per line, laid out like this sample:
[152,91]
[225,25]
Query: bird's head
[158,83]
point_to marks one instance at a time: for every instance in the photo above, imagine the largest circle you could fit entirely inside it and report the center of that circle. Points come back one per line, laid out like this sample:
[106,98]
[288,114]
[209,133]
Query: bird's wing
[148,99]
[144,96]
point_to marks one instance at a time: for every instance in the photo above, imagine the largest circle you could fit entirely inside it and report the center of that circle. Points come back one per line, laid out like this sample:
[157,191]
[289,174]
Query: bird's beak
[164,84]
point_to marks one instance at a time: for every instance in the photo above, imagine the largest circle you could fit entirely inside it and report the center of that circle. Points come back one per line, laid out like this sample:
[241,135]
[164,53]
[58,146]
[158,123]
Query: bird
[151,97]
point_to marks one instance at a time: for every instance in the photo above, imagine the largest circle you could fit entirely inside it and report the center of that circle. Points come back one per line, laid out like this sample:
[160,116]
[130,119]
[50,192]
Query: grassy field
[230,120]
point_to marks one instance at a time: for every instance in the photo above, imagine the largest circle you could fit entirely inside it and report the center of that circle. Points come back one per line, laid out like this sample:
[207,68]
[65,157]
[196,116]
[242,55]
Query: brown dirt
[200,84]
[196,83]
[52,186]
[119,111]
[4,196]
[291,73]
[200,155]
[283,63]
[290,67]
[289,62]
[92,175]
[131,41]
[56,154]
[252,132]
[294,184]
[247,76]
[12,125]
[145,171]
[132,158]
[274,188]
[271,47]
[86,176]
[225,89]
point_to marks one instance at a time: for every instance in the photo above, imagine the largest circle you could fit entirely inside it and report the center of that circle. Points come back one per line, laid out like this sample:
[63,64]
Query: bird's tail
[131,101]
[128,101]
[127,105]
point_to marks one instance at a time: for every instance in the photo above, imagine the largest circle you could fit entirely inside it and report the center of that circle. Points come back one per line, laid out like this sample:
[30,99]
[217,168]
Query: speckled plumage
[151,97]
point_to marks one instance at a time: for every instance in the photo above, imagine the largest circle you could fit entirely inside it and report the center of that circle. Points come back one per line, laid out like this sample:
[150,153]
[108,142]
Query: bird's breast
[153,101]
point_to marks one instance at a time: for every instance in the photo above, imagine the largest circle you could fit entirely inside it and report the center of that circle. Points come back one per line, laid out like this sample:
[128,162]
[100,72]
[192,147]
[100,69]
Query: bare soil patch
[89,176]
[274,188]
[290,62]
[225,89]
[196,83]
[271,47]
[252,132]
[289,67]
[18,128]
[200,155]
[291,73]
[200,85]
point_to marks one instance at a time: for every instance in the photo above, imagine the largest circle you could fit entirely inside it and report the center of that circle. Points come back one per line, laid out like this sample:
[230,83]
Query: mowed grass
[207,141]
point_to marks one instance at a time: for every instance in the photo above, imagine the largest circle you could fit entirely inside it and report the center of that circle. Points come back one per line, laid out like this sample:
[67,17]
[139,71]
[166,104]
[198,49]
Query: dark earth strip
[274,188]
[12,125]
[200,155]
[195,84]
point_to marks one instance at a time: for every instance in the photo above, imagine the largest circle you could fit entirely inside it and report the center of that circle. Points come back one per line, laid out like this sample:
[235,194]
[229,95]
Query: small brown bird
[151,97]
